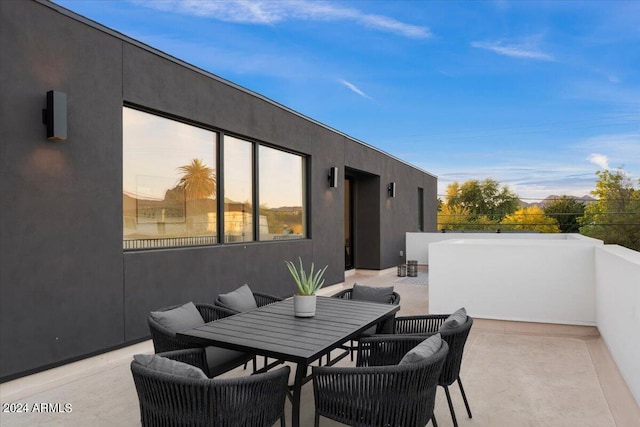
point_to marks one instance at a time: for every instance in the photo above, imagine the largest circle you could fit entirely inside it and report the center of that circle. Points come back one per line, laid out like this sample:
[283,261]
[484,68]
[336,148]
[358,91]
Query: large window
[282,196]
[169,182]
[238,190]
[171,192]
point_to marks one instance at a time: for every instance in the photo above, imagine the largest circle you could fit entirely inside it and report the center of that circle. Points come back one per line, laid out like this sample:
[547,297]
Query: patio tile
[530,380]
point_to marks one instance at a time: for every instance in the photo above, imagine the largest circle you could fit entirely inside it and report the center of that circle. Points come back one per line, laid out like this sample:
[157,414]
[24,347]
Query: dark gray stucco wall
[205,272]
[156,279]
[380,238]
[430,186]
[400,213]
[67,290]
[61,257]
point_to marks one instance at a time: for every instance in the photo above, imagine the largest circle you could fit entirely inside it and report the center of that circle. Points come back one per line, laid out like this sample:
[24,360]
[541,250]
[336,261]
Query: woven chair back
[165,399]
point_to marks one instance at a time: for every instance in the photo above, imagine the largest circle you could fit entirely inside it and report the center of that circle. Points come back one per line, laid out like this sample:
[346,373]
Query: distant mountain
[584,199]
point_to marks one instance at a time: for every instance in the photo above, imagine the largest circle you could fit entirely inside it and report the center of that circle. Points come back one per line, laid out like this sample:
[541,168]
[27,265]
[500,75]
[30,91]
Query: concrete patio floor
[514,373]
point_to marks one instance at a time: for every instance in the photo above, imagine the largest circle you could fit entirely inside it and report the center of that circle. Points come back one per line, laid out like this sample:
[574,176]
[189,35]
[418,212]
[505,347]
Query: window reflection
[281,183]
[170,186]
[238,190]
[169,182]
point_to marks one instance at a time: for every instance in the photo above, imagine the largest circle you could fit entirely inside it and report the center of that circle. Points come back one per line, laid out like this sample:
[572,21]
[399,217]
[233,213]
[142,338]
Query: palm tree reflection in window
[198,180]
[197,189]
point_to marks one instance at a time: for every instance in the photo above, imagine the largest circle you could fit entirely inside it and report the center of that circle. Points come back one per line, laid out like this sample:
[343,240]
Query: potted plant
[304,301]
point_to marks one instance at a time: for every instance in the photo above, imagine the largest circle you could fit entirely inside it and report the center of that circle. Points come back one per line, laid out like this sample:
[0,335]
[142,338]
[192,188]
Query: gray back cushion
[372,293]
[239,300]
[422,351]
[454,320]
[178,319]
[169,366]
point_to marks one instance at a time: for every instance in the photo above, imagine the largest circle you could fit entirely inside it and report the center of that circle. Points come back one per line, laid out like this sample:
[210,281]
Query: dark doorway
[348,224]
[361,220]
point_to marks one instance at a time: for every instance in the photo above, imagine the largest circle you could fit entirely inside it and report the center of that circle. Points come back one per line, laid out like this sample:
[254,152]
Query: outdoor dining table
[274,331]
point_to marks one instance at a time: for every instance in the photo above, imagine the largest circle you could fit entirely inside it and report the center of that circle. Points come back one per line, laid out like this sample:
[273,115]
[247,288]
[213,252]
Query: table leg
[301,373]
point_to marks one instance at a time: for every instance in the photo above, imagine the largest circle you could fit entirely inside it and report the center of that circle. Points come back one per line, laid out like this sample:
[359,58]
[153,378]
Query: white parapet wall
[617,272]
[536,278]
[417,244]
[533,280]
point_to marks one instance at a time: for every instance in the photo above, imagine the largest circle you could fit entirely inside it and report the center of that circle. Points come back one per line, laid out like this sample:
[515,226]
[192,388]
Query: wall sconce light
[333,177]
[391,189]
[55,115]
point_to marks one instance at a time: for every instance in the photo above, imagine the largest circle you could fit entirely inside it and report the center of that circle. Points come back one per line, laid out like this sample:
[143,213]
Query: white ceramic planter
[304,305]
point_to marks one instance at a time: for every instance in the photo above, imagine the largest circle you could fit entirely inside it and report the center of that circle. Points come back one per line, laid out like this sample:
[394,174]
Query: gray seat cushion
[221,360]
[372,293]
[241,299]
[169,366]
[422,351]
[456,319]
[178,319]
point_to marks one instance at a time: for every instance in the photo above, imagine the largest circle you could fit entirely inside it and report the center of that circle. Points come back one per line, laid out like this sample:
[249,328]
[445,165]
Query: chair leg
[352,349]
[464,397]
[282,421]
[316,421]
[433,421]
[453,413]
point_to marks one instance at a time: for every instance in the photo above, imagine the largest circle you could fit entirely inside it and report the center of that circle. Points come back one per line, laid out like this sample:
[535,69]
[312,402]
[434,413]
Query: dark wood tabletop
[274,331]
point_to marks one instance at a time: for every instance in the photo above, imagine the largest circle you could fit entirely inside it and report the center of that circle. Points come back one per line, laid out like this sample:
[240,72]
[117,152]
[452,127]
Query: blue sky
[538,95]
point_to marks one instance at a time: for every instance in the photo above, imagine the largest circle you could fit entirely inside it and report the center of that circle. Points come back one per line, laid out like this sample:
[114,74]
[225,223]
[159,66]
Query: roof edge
[103,28]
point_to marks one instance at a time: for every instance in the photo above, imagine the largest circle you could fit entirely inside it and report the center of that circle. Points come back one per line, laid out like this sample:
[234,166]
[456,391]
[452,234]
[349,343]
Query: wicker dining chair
[220,360]
[379,391]
[168,399]
[456,337]
[384,327]
[242,299]
[164,339]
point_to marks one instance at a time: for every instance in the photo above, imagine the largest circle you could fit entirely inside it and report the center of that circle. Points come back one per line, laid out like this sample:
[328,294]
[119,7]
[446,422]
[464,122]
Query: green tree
[452,218]
[615,216]
[198,180]
[457,218]
[482,198]
[530,218]
[566,210]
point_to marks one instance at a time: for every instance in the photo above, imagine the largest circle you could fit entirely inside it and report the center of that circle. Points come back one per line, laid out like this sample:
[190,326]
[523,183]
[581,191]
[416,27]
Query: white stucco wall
[617,272]
[417,244]
[572,280]
[535,280]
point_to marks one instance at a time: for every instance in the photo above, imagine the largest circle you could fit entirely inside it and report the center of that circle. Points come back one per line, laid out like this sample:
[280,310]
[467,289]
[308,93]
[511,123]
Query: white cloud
[599,159]
[354,88]
[623,150]
[273,12]
[523,50]
[384,23]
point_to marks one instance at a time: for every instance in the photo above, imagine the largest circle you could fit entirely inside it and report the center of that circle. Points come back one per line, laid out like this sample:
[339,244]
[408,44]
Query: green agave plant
[308,284]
